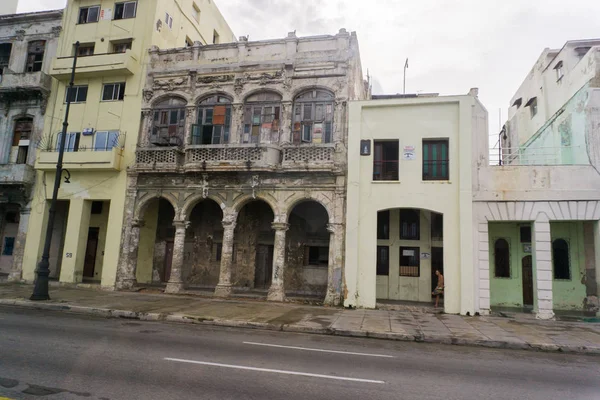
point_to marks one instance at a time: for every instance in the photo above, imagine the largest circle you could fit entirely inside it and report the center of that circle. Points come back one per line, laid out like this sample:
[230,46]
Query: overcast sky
[452,45]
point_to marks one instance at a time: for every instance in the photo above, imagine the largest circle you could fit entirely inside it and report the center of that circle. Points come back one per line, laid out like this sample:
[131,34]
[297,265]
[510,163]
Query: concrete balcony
[312,157]
[110,64]
[16,174]
[232,157]
[109,160]
[158,159]
[30,81]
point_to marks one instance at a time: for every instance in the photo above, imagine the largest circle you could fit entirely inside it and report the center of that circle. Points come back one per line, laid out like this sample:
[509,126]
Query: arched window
[262,113]
[313,117]
[502,259]
[169,122]
[35,55]
[21,138]
[560,259]
[214,121]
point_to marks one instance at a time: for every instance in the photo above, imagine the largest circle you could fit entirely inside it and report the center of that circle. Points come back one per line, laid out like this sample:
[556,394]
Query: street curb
[188,319]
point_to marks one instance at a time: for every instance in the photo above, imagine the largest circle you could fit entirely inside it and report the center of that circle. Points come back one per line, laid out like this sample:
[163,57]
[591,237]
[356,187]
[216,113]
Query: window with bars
[383,225]
[169,122]
[214,121]
[125,10]
[35,55]
[436,161]
[262,113]
[410,261]
[383,260]
[313,117]
[113,91]
[410,221]
[385,160]
[88,14]
[501,258]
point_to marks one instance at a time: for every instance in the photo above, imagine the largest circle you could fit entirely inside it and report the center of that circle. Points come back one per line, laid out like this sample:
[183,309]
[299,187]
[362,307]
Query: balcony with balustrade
[310,157]
[232,157]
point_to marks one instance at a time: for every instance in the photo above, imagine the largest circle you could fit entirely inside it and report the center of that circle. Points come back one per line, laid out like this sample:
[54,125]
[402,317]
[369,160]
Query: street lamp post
[40,291]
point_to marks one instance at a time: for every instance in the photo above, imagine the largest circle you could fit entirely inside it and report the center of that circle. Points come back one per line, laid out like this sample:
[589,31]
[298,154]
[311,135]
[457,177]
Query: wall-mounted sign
[527,248]
[365,147]
[408,153]
[106,14]
[88,131]
[408,253]
[425,256]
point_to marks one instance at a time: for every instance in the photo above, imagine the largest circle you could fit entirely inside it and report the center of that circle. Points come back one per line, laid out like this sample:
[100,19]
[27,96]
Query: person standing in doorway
[439,289]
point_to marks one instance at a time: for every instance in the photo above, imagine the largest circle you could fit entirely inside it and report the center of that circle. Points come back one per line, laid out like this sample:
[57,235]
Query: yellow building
[103,125]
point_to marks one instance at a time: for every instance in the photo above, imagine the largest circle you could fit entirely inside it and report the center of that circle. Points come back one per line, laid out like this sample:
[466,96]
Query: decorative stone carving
[56,30]
[169,84]
[215,78]
[148,93]
[20,34]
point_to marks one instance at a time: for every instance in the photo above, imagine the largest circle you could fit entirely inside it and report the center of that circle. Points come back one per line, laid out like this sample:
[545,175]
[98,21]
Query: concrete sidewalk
[523,332]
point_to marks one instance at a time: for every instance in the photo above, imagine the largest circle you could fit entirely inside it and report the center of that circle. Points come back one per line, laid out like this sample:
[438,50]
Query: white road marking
[319,350]
[275,371]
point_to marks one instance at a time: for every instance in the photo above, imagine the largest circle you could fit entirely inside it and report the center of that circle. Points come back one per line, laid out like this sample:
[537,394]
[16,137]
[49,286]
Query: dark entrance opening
[264,266]
[437,263]
[90,252]
[527,281]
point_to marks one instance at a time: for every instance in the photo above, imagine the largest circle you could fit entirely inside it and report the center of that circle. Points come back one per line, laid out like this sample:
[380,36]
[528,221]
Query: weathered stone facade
[245,144]
[27,46]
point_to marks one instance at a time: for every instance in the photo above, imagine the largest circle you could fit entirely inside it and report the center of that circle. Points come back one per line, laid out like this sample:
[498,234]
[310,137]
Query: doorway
[264,266]
[437,263]
[90,252]
[168,260]
[527,281]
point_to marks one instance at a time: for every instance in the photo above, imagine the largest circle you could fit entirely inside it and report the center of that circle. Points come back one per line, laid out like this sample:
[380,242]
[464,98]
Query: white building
[536,215]
[409,206]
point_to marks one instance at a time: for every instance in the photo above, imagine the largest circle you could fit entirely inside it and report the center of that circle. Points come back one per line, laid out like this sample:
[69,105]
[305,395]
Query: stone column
[285,125]
[224,288]
[145,131]
[175,284]
[483,265]
[334,276]
[129,255]
[277,291]
[236,130]
[542,267]
[17,263]
[190,119]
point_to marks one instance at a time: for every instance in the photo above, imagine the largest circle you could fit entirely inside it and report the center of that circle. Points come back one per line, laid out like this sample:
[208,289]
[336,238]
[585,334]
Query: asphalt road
[64,356]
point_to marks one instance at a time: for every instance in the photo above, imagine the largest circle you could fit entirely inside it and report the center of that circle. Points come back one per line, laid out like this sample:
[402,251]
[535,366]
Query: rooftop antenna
[405,67]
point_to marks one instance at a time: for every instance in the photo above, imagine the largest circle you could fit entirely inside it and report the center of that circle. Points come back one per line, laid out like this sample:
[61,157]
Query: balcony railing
[226,156]
[310,156]
[237,157]
[158,158]
[557,155]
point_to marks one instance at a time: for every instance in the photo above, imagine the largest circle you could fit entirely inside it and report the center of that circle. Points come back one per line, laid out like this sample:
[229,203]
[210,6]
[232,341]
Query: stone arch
[300,90]
[171,95]
[145,200]
[252,92]
[195,199]
[321,199]
[210,93]
[241,201]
